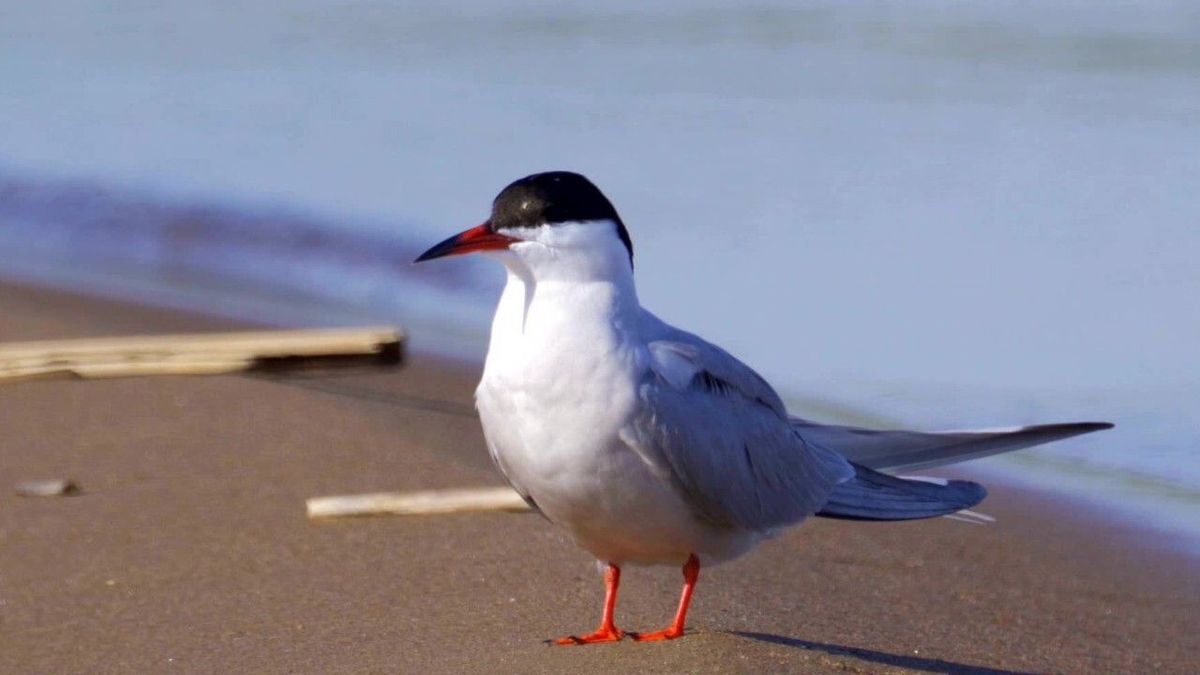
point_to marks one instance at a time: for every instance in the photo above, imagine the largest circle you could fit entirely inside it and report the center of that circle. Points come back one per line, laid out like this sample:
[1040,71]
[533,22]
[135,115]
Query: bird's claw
[658,635]
[605,635]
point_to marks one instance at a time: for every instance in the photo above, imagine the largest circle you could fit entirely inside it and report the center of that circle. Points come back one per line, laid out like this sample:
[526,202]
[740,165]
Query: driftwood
[426,502]
[200,354]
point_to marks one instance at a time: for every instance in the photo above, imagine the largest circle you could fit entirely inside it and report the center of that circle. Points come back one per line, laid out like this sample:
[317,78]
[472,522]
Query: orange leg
[691,572]
[608,631]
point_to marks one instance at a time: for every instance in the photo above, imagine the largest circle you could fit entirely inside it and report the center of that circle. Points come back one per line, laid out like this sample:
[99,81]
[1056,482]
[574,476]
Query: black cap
[554,197]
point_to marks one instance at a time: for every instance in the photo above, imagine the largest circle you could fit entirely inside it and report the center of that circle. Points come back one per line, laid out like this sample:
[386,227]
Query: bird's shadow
[884,658]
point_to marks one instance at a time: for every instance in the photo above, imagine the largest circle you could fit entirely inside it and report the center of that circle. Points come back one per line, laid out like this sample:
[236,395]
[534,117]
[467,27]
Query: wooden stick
[417,503]
[205,353]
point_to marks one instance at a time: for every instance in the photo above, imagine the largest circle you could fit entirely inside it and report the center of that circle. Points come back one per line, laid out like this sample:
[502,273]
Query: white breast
[560,383]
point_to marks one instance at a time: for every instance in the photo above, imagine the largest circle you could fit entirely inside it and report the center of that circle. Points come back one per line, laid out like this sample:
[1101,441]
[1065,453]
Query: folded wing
[907,450]
[721,435]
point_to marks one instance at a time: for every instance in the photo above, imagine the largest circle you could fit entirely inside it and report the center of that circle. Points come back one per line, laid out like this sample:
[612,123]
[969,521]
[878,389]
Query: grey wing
[721,433]
[906,450]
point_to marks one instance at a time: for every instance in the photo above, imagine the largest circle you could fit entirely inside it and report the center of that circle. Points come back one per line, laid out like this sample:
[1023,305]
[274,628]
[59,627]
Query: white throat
[569,289]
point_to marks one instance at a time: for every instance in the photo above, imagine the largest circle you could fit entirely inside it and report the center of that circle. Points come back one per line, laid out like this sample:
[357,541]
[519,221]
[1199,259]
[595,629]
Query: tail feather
[871,495]
[969,516]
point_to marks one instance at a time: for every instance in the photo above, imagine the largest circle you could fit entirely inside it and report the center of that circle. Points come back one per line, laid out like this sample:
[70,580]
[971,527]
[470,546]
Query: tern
[650,445]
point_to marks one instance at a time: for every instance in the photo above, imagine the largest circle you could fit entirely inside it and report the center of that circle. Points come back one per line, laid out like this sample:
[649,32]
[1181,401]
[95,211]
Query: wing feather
[908,450]
[722,434]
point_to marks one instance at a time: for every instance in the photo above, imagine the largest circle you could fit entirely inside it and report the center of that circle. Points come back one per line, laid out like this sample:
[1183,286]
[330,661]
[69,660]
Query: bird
[646,443]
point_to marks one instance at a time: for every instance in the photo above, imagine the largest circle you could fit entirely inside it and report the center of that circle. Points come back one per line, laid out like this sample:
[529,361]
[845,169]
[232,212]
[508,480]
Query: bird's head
[549,225]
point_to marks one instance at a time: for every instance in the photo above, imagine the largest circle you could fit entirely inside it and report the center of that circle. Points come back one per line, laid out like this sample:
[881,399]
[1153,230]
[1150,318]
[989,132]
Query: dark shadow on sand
[884,658]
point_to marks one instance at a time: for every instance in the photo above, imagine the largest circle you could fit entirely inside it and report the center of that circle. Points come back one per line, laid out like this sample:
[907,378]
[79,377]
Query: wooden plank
[92,371]
[204,353]
[425,502]
[276,342]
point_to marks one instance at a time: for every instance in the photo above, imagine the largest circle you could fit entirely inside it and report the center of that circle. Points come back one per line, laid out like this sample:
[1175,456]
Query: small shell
[59,487]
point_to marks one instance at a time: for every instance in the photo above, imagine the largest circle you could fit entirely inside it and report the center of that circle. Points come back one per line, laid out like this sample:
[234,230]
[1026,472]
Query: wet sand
[189,551]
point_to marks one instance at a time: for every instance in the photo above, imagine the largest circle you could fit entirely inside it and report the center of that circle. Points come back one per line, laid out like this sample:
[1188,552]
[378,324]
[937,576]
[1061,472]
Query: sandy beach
[189,550]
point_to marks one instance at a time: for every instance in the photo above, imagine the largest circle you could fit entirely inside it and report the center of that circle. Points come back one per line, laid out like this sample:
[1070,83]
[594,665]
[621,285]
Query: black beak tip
[437,251]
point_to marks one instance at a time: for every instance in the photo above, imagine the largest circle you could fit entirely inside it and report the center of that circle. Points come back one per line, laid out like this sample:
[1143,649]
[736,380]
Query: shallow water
[945,215]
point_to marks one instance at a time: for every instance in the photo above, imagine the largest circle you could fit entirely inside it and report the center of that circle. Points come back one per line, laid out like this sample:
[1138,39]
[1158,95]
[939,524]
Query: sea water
[929,214]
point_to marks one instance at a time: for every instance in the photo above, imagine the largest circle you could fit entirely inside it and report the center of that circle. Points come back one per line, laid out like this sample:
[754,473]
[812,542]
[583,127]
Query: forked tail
[871,495]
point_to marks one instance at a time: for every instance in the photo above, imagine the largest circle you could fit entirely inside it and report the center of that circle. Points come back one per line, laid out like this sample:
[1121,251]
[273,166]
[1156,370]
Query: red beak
[480,238]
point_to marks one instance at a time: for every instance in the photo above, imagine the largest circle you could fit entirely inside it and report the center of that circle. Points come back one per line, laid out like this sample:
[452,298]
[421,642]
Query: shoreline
[1169,520]
[193,509]
[1123,502]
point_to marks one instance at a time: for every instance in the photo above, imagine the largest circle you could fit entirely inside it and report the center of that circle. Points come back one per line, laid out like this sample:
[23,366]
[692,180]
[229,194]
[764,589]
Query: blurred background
[923,213]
